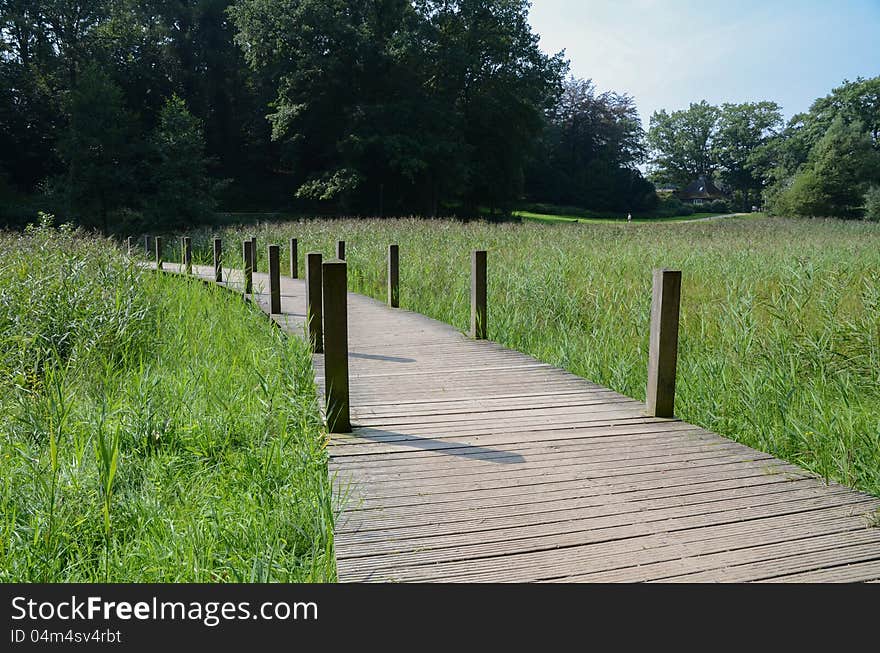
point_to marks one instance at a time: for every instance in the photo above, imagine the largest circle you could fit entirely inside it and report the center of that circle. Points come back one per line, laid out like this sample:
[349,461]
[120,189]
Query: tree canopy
[122,112]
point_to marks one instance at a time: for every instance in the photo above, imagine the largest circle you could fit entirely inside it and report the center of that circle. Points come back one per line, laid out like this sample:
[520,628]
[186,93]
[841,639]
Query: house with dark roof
[701,191]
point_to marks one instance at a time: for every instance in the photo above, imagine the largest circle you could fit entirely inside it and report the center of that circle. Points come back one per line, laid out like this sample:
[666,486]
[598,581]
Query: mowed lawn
[547,217]
[780,325]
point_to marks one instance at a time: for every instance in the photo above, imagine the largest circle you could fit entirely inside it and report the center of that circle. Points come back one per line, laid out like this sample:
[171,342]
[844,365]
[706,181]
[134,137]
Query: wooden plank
[314,302]
[859,572]
[393,276]
[334,290]
[634,544]
[663,347]
[479,313]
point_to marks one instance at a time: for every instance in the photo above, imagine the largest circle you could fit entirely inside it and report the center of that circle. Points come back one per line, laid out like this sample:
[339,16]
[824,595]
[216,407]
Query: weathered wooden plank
[628,546]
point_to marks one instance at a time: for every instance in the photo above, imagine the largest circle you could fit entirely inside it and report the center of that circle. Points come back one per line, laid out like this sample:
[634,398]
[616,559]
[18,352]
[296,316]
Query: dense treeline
[119,112]
[825,162]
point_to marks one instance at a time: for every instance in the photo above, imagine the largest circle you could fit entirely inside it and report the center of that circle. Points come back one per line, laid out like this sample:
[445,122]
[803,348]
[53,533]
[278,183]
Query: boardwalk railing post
[254,253]
[248,267]
[129,243]
[336,346]
[663,347]
[393,276]
[274,280]
[314,304]
[478,294]
[218,260]
[340,250]
[147,246]
[187,255]
[158,241]
[294,259]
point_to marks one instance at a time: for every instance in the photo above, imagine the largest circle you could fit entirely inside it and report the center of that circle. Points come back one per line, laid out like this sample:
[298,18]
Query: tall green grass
[780,325]
[154,430]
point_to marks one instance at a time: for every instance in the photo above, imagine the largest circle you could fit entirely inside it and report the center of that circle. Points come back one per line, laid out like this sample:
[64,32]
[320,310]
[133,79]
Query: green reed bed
[780,324]
[153,429]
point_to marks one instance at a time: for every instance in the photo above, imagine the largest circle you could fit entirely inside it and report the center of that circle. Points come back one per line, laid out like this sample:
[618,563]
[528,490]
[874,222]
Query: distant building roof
[702,189]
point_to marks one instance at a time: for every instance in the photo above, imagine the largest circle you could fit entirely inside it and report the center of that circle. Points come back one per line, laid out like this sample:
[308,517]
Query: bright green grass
[154,429]
[780,326]
[544,217]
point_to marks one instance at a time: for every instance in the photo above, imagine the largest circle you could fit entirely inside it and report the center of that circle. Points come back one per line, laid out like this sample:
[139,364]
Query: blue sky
[669,53]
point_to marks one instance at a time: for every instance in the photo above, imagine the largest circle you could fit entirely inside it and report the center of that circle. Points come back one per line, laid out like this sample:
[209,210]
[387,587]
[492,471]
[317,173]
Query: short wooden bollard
[294,259]
[254,253]
[218,260]
[129,244]
[336,346]
[314,303]
[147,246]
[248,267]
[274,280]
[393,276]
[158,242]
[478,294]
[663,346]
[187,255]
[340,250]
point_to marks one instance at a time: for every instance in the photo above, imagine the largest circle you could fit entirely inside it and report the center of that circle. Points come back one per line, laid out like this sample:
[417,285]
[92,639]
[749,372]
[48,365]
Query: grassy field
[545,217]
[153,430]
[780,327]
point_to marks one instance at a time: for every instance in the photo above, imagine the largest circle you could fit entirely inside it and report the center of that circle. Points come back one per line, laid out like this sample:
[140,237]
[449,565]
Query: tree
[836,176]
[590,148]
[181,189]
[872,204]
[98,149]
[820,164]
[740,150]
[401,104]
[683,143]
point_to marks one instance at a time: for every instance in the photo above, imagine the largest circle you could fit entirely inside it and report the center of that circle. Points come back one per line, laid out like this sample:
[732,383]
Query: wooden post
[248,267]
[129,243]
[254,253]
[393,276]
[218,260]
[147,246]
[336,346]
[187,255]
[478,294]
[340,250]
[663,347]
[314,304]
[294,259]
[274,280]
[158,241]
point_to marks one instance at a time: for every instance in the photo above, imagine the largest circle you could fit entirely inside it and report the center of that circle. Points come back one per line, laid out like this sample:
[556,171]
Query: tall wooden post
[478,294]
[274,280]
[336,346]
[254,253]
[393,276]
[218,260]
[158,241]
[187,255]
[340,250]
[147,246]
[248,267]
[294,259]
[129,244]
[663,346]
[314,304]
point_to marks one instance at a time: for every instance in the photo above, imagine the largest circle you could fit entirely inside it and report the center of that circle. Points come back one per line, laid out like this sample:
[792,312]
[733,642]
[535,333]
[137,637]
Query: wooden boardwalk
[470,462]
